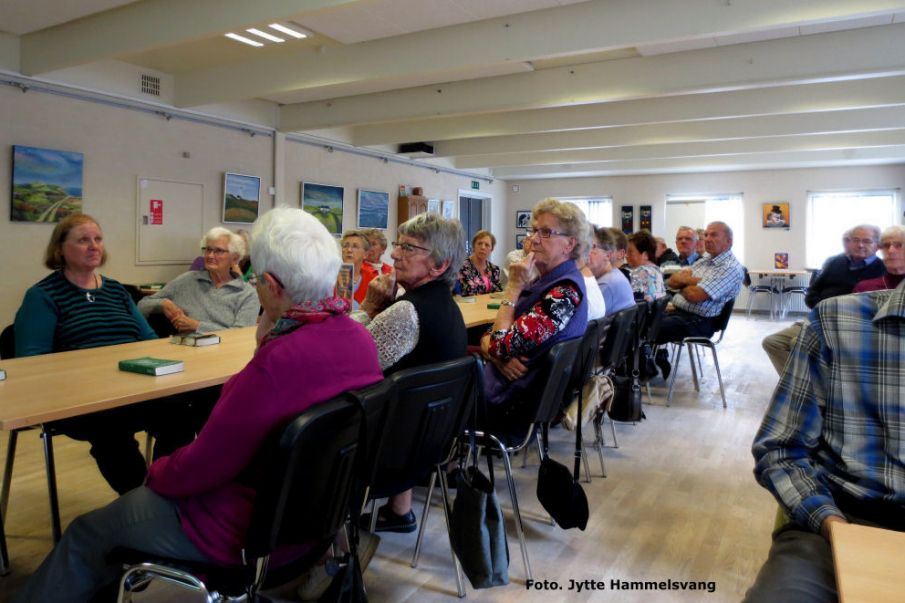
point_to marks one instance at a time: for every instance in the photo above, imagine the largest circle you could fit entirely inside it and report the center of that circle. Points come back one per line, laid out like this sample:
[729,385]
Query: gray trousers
[799,569]
[76,569]
[778,346]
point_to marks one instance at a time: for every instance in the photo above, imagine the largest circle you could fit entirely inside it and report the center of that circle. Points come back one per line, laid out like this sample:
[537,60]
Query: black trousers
[680,324]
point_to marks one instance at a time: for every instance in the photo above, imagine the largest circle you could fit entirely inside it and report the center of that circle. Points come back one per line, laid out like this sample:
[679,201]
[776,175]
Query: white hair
[236,244]
[295,247]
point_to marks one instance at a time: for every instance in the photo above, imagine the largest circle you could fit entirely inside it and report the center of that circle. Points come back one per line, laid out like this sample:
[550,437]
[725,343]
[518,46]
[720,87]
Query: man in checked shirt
[832,443]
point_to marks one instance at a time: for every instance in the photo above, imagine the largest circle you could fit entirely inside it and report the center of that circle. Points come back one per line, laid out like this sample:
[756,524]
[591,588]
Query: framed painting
[522,218]
[373,209]
[776,215]
[433,206]
[448,209]
[324,202]
[46,184]
[520,241]
[241,198]
[645,217]
[628,219]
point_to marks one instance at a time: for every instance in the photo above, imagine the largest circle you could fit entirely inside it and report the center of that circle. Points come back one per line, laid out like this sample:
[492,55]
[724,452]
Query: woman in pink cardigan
[193,506]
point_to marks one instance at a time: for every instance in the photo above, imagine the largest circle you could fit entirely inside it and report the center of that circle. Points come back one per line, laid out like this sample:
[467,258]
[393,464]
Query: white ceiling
[524,88]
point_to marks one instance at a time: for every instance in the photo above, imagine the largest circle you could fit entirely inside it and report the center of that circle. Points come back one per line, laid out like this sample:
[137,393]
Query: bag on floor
[558,489]
[626,405]
[477,531]
[597,394]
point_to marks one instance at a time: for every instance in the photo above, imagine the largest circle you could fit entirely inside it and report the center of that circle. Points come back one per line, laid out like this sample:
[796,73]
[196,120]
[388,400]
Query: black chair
[303,496]
[795,289]
[693,343]
[759,287]
[432,404]
[612,355]
[554,375]
[582,370]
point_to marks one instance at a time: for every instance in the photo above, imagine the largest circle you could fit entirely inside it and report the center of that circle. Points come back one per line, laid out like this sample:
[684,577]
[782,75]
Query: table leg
[51,485]
[4,554]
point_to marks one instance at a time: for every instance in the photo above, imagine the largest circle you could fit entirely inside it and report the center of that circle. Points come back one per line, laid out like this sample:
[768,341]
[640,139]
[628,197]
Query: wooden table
[777,278]
[42,389]
[868,563]
[477,313]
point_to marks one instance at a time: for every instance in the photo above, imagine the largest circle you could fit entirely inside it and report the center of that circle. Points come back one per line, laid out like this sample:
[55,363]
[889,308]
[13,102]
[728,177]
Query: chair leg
[424,514]
[675,370]
[519,528]
[444,492]
[598,444]
[587,465]
[149,449]
[692,356]
[51,484]
[716,364]
[8,471]
[373,527]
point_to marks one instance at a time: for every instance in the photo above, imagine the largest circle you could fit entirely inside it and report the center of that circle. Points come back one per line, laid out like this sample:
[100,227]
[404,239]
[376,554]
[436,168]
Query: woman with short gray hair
[210,299]
[892,248]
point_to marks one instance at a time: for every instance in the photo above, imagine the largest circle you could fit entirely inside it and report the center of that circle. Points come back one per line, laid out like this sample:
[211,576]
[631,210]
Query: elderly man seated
[830,447]
[838,276]
[703,290]
[686,246]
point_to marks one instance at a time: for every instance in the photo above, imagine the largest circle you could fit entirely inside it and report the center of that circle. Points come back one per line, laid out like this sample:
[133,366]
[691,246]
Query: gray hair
[694,232]
[445,238]
[236,244]
[377,235]
[571,220]
[361,234]
[605,239]
[587,243]
[894,231]
[725,228]
[294,246]
[874,231]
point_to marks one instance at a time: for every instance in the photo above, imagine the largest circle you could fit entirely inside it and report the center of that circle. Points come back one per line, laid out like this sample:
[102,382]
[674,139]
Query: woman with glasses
[647,280]
[211,299]
[536,314]
[74,308]
[355,247]
[422,326]
[197,503]
[616,290]
[478,274]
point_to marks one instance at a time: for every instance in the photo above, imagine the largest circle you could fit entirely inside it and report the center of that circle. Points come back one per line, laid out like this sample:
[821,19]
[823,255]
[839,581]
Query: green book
[151,366]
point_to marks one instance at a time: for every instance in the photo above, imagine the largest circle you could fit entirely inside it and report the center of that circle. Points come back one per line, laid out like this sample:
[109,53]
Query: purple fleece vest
[497,388]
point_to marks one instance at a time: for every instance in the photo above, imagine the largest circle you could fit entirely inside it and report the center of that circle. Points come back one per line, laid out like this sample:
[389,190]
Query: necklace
[88,294]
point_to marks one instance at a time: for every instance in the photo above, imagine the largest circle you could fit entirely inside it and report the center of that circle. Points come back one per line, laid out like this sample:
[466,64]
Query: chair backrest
[586,355]
[657,312]
[618,338]
[432,404]
[722,320]
[8,343]
[379,404]
[556,373]
[306,478]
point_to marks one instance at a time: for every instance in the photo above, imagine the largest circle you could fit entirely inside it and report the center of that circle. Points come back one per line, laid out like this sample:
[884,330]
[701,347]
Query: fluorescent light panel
[288,31]
[243,39]
[265,35]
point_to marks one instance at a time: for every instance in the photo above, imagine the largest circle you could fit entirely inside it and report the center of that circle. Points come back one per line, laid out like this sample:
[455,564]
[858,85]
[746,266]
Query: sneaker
[387,521]
[662,362]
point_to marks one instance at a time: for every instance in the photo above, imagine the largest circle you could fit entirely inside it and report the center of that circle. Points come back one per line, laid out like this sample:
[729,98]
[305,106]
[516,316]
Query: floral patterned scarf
[304,313]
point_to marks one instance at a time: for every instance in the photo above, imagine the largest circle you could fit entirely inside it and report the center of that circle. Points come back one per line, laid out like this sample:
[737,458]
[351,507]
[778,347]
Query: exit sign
[475,185]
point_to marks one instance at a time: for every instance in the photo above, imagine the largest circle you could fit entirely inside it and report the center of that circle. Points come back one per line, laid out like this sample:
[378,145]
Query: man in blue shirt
[831,446]
[686,246]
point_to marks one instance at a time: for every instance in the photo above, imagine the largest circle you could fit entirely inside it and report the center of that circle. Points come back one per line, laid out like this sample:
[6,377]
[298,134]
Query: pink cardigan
[310,365]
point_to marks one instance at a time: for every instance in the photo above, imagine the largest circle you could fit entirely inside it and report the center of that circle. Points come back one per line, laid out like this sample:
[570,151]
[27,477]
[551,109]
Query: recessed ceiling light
[265,35]
[243,39]
[288,31]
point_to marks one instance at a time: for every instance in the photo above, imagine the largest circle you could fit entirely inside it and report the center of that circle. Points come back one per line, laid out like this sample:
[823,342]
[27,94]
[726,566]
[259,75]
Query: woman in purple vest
[536,313]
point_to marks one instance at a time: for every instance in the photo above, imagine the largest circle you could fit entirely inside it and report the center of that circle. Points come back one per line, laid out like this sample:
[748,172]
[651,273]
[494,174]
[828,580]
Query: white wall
[120,145]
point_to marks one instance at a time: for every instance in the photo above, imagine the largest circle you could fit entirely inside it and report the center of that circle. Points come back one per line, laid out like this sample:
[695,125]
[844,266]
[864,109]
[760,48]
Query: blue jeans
[76,569]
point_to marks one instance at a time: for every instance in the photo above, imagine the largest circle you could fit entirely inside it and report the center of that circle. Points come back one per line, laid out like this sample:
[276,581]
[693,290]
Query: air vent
[416,149]
[150,84]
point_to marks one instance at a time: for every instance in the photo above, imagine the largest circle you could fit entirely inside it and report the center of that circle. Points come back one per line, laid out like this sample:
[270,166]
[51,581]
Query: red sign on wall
[156,212]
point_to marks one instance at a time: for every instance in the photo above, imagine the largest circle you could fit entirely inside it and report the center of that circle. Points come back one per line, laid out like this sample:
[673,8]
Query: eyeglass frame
[408,248]
[539,232]
[217,252]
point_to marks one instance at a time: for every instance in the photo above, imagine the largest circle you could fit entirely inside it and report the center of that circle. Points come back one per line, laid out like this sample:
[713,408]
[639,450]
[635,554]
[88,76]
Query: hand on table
[186,324]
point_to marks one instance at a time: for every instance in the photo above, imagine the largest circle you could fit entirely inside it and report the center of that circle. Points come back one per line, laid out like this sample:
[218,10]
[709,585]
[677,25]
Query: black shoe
[662,362]
[387,521]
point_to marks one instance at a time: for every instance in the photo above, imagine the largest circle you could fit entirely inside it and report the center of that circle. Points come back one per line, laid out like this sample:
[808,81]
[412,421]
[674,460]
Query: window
[698,211]
[598,210]
[830,214]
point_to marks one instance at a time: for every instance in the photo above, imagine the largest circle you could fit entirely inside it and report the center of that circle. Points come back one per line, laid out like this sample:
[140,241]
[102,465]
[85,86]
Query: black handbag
[558,490]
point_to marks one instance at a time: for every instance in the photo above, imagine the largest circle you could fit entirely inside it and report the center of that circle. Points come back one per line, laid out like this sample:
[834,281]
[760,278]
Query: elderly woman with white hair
[891,246]
[210,299]
[196,504]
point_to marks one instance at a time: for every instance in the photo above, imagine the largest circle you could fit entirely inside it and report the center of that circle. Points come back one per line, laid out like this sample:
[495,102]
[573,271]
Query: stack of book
[195,339]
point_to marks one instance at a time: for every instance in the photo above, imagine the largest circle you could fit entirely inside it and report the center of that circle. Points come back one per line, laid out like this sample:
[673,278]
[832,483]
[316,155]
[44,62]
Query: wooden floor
[680,502]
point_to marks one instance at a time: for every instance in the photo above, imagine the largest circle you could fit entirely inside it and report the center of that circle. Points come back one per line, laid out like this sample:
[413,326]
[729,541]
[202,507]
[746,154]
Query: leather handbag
[558,490]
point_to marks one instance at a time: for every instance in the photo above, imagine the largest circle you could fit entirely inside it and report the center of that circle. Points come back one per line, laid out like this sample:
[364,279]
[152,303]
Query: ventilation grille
[150,84]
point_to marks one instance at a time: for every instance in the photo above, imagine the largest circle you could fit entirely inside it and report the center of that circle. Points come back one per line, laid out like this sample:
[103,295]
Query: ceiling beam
[756,161]
[875,92]
[820,57]
[774,144]
[685,132]
[580,28]
[149,24]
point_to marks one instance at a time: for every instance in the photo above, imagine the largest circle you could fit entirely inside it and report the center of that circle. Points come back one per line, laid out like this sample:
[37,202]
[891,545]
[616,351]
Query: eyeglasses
[352,246]
[859,241]
[215,251]
[408,248]
[254,279]
[545,233]
[887,245]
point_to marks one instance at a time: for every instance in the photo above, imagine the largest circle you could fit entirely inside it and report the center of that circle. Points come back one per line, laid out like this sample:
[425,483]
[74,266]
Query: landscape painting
[373,209]
[241,196]
[47,184]
[325,203]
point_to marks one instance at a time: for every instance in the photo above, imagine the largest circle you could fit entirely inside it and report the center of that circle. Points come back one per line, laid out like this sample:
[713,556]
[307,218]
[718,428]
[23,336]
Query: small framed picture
[520,241]
[522,218]
[776,215]
[373,209]
[241,196]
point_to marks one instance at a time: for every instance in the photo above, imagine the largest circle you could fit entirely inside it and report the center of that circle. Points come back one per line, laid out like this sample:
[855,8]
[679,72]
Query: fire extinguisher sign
[156,212]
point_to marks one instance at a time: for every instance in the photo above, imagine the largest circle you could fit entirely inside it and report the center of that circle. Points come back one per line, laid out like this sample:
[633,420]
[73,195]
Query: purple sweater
[286,376]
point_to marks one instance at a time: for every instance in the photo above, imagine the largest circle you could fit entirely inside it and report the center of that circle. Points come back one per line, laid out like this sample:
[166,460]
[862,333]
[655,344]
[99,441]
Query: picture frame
[775,215]
[434,206]
[46,184]
[448,209]
[781,260]
[628,219]
[520,241]
[324,202]
[645,218]
[373,209]
[522,218]
[241,198]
